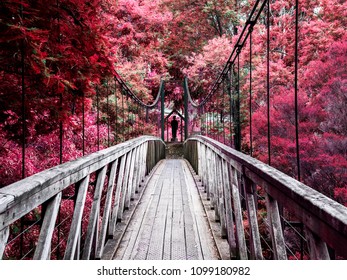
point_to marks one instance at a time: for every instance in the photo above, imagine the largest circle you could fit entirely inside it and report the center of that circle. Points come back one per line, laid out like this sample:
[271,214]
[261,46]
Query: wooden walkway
[169,222]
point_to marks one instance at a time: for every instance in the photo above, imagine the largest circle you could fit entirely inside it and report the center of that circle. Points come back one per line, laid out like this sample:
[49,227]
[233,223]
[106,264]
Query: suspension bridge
[201,197]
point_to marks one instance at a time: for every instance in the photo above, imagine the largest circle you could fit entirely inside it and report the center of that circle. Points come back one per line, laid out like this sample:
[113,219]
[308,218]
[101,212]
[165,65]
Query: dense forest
[60,55]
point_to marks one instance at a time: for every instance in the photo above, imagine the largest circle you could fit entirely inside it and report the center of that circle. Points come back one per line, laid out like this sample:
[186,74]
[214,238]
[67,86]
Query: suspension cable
[250,91]
[251,21]
[116,112]
[296,88]
[98,117]
[132,95]
[268,80]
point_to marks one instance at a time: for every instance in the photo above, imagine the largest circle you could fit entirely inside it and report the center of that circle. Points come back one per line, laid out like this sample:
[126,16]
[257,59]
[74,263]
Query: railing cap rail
[16,192]
[319,205]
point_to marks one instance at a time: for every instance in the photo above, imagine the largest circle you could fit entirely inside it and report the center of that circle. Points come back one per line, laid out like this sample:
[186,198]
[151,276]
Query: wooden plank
[318,248]
[134,188]
[78,246]
[206,248]
[4,234]
[138,174]
[136,226]
[140,252]
[144,160]
[255,244]
[165,223]
[42,251]
[208,174]
[278,244]
[76,219]
[124,186]
[240,232]
[157,239]
[219,216]
[107,210]
[206,178]
[169,216]
[94,214]
[202,163]
[229,212]
[118,197]
[191,241]
[129,179]
[213,179]
[116,244]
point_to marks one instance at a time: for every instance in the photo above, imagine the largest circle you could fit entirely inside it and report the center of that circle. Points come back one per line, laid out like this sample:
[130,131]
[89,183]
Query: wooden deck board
[169,222]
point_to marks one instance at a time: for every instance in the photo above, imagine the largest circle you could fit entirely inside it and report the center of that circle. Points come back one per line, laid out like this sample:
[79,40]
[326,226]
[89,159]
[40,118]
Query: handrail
[125,165]
[227,174]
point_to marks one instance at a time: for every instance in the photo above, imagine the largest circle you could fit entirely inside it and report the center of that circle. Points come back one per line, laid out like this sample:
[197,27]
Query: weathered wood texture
[169,221]
[231,179]
[140,155]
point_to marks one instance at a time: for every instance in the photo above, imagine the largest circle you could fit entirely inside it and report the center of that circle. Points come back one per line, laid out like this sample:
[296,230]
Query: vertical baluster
[317,247]
[75,228]
[144,160]
[240,232]
[205,168]
[276,232]
[4,234]
[209,173]
[228,209]
[138,168]
[107,210]
[117,208]
[92,230]
[221,193]
[125,185]
[217,188]
[255,244]
[124,203]
[130,186]
[42,251]
[148,157]
[134,188]
[214,195]
[201,164]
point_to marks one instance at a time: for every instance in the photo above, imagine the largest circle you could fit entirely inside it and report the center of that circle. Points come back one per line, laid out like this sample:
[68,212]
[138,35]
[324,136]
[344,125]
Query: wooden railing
[111,178]
[236,183]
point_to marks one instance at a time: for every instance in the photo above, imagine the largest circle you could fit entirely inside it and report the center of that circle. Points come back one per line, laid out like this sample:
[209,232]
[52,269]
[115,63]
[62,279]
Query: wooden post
[126,180]
[42,251]
[318,248]
[94,214]
[240,232]
[278,245]
[117,208]
[134,186]
[209,173]
[228,209]
[75,228]
[255,244]
[221,198]
[138,176]
[107,210]
[4,234]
